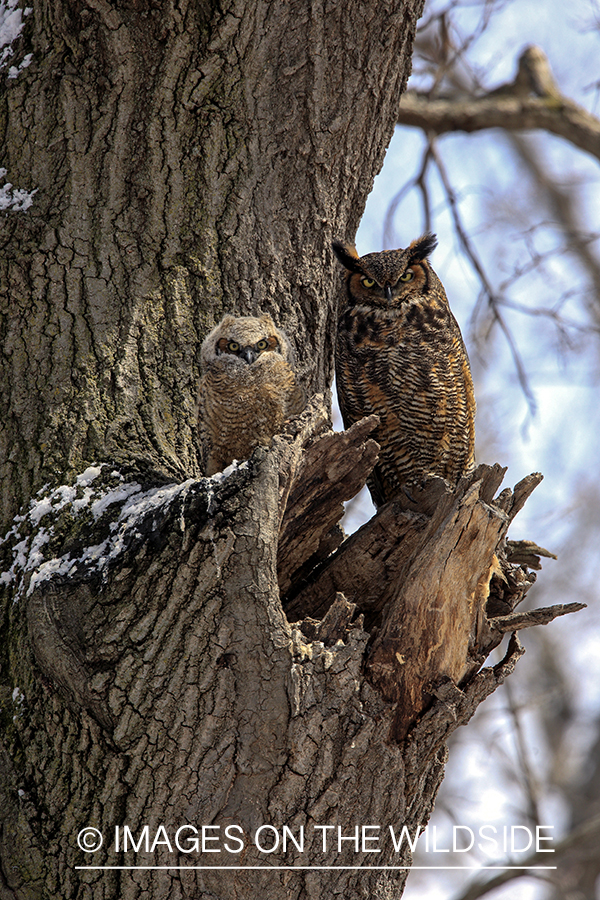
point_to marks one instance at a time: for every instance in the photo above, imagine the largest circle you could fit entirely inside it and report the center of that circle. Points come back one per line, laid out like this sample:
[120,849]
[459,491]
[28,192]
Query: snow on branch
[77,531]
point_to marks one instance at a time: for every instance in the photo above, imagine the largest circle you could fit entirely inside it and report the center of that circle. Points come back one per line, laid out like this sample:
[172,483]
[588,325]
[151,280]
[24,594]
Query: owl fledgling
[400,354]
[247,391]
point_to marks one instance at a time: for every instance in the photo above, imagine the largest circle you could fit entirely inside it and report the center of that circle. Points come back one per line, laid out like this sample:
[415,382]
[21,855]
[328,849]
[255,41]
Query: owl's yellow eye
[233,346]
[262,345]
[408,275]
[368,282]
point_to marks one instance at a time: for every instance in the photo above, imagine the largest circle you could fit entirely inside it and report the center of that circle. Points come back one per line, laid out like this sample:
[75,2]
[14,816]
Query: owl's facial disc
[390,290]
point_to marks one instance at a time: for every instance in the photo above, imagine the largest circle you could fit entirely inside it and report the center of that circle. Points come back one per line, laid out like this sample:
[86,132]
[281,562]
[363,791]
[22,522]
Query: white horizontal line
[318,868]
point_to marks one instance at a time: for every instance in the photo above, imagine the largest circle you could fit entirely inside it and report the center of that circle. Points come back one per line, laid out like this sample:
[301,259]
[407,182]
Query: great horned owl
[248,389]
[400,354]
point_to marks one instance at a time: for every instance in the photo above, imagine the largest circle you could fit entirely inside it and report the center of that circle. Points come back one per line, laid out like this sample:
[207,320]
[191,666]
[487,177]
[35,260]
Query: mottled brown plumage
[247,391]
[400,354]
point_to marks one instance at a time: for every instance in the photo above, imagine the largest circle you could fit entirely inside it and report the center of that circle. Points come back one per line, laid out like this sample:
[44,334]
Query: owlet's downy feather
[247,391]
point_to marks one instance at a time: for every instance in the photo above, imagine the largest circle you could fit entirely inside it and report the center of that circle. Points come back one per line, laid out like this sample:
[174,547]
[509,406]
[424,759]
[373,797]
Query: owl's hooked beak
[388,292]
[249,354]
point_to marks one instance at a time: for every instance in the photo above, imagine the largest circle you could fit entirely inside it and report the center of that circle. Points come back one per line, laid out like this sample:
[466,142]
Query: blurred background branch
[497,151]
[531,101]
[589,829]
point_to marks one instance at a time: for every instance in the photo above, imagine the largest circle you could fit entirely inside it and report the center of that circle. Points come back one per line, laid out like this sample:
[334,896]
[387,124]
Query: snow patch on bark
[30,534]
[14,198]
[11,26]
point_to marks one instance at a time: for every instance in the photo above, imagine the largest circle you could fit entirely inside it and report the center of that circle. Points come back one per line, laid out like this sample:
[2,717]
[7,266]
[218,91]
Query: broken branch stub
[319,470]
[436,625]
[433,576]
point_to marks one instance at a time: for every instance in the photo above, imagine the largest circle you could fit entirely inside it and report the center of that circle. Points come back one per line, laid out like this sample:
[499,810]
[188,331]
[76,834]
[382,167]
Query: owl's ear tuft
[422,247]
[347,255]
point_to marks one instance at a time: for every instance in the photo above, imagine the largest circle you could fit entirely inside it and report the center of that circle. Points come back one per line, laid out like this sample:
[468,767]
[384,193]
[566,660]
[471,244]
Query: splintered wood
[435,578]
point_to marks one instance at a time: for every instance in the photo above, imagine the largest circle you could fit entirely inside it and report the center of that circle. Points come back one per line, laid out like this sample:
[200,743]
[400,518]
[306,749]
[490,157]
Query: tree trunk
[190,161]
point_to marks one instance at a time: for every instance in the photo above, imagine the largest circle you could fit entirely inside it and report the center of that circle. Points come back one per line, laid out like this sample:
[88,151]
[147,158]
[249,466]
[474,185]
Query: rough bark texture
[159,683]
[191,159]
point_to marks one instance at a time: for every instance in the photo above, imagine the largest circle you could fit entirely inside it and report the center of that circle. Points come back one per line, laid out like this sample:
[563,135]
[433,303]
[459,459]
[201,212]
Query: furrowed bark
[189,161]
[162,685]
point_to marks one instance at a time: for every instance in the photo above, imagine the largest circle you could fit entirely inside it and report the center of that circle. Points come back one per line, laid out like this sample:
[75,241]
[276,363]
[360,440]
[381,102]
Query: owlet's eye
[408,275]
[233,346]
[368,282]
[262,345]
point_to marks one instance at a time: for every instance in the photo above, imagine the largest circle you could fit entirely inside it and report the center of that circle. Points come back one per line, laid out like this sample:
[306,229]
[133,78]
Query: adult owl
[248,389]
[400,354]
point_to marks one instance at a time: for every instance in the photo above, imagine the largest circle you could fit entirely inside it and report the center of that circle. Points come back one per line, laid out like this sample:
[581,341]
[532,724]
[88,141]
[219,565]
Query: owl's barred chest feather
[380,347]
[400,355]
[235,420]
[363,330]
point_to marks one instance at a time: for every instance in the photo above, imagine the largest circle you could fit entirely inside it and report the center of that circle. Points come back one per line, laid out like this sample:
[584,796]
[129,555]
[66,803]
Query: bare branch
[563,203]
[481,888]
[420,182]
[529,781]
[529,102]
[519,620]
[493,299]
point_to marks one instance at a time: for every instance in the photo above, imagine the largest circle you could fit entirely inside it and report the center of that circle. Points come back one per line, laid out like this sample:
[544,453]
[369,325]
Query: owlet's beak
[249,354]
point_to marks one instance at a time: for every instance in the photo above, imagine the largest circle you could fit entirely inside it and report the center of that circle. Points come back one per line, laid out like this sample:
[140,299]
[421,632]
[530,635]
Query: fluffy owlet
[400,354]
[247,391]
